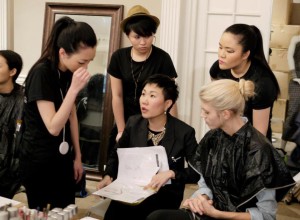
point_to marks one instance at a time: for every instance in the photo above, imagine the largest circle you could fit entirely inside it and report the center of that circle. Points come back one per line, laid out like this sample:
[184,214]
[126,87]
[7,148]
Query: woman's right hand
[104,182]
[80,78]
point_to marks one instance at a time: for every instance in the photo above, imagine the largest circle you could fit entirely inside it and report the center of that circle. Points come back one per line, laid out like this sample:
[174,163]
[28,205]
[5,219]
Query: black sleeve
[188,174]
[41,85]
[168,67]
[265,94]
[114,65]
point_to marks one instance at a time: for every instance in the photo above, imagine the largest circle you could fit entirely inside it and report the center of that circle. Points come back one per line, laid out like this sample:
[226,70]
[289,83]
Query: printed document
[137,166]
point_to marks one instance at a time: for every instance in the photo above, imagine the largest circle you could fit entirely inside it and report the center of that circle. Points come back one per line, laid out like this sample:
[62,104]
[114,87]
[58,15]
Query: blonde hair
[227,94]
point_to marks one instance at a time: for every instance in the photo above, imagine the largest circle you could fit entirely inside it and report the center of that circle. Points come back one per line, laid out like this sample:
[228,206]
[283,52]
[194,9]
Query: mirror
[93,103]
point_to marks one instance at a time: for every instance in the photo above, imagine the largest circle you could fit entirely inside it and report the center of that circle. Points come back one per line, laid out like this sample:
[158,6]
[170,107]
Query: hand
[78,170]
[159,180]
[119,135]
[104,182]
[201,205]
[80,78]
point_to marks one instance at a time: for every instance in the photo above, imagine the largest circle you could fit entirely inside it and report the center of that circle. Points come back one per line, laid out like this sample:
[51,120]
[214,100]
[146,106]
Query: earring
[165,112]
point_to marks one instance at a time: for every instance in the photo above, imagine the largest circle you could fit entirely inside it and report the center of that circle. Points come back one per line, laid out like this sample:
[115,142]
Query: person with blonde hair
[242,175]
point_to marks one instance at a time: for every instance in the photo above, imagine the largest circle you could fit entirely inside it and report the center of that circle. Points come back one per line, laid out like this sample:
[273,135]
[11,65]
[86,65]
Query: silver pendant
[64,147]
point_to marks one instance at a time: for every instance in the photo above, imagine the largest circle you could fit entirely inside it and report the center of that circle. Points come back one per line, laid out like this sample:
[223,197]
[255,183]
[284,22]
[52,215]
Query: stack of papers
[137,166]
[5,202]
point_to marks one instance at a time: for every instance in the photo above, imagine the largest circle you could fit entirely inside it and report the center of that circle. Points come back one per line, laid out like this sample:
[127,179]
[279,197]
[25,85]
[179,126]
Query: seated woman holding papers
[156,127]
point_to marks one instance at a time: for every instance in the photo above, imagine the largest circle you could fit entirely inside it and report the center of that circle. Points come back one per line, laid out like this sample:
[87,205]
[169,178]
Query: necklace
[136,80]
[64,146]
[156,138]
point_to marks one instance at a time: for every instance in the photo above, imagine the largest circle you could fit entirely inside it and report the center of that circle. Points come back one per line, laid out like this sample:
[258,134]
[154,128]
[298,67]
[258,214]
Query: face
[230,52]
[212,117]
[5,73]
[141,44]
[81,58]
[152,102]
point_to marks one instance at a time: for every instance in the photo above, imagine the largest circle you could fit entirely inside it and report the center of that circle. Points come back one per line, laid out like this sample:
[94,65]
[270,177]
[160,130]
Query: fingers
[99,186]
[78,174]
[153,188]
[154,185]
[80,78]
[196,206]
[158,181]
[104,182]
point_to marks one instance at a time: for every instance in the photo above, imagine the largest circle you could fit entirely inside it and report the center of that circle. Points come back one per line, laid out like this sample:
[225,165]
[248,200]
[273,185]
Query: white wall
[29,23]
[181,27]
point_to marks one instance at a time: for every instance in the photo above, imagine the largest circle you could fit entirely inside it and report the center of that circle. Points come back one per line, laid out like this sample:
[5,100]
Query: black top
[179,141]
[236,168]
[159,62]
[265,89]
[180,144]
[44,83]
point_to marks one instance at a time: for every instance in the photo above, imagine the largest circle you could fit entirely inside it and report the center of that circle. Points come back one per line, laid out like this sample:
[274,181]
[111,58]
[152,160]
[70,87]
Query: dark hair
[142,25]
[13,60]
[95,86]
[69,35]
[167,84]
[251,40]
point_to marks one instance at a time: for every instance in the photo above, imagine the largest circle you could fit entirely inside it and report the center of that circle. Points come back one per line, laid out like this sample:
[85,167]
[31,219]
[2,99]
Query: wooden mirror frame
[116,14]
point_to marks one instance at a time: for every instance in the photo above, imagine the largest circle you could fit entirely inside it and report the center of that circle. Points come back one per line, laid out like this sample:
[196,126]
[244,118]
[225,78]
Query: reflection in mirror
[94,101]
[89,105]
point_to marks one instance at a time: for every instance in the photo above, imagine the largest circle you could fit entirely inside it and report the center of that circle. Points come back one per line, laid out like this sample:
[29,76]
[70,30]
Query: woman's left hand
[78,170]
[159,180]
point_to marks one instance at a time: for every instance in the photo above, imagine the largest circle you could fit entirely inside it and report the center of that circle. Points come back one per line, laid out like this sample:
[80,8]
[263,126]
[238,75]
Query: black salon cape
[236,168]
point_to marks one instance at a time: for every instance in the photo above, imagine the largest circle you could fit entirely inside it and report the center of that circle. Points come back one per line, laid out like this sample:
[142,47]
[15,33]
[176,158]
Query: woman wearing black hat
[131,66]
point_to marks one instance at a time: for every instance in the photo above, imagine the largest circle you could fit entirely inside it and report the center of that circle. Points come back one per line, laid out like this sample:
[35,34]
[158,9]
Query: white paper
[297,177]
[89,218]
[5,201]
[136,168]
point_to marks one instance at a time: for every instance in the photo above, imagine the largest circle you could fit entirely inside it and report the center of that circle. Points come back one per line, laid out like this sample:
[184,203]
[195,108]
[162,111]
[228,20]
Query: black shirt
[44,83]
[159,62]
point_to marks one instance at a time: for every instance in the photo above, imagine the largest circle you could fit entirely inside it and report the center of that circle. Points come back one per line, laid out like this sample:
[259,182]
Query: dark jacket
[236,168]
[11,108]
[179,141]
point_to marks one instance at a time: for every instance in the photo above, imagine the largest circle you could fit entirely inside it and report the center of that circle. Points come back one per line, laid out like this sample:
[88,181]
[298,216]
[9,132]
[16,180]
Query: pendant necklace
[64,146]
[136,80]
[156,138]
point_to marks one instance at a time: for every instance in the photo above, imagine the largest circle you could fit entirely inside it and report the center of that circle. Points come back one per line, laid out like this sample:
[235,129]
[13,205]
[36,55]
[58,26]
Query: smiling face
[152,102]
[81,58]
[213,118]
[230,52]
